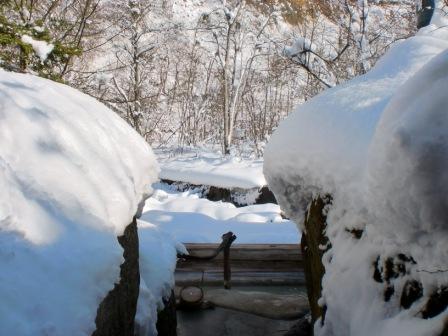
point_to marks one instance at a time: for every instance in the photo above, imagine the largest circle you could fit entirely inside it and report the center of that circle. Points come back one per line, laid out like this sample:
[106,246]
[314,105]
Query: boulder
[116,313]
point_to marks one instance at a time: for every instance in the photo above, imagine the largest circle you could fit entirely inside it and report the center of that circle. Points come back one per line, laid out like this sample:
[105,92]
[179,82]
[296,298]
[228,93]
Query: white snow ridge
[379,146]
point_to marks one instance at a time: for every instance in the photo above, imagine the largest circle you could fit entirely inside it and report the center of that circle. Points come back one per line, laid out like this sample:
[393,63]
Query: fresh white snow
[41,48]
[72,175]
[379,145]
[191,219]
[212,169]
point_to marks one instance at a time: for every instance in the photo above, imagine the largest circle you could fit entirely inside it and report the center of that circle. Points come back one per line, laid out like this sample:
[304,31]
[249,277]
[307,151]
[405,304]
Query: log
[191,297]
[273,306]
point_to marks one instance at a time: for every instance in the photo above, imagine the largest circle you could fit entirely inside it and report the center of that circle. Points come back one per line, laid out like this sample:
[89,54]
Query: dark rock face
[219,194]
[445,329]
[266,196]
[231,195]
[116,313]
[167,318]
[437,303]
[303,327]
[394,268]
[412,291]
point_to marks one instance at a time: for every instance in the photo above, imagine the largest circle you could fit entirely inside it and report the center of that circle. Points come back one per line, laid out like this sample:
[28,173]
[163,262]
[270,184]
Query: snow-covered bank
[212,169]
[379,146]
[191,219]
[72,175]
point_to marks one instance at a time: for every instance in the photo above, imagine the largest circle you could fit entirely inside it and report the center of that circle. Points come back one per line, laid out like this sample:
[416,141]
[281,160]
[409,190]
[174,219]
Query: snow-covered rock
[73,176]
[378,144]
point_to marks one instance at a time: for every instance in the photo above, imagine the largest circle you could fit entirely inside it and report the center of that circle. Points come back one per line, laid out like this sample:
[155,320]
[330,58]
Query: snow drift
[379,145]
[73,175]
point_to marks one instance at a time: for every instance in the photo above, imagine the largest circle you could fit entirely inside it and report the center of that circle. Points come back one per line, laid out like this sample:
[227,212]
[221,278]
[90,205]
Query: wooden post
[227,270]
[227,240]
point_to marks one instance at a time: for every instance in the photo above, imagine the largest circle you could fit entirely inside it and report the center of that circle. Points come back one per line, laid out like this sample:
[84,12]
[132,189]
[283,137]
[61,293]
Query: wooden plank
[244,246]
[245,264]
[252,264]
[240,278]
[260,252]
[252,255]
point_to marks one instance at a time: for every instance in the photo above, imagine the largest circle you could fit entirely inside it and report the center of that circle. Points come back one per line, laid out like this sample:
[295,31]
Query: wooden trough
[250,264]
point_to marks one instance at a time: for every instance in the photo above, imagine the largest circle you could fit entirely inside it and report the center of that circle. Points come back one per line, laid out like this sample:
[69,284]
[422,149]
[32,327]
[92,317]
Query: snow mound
[66,158]
[379,146]
[72,175]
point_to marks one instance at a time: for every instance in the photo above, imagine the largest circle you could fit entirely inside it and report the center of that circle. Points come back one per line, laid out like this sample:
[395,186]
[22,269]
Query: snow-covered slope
[379,145]
[72,176]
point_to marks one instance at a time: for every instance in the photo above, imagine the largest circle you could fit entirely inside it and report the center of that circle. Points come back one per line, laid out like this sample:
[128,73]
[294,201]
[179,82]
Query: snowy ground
[191,219]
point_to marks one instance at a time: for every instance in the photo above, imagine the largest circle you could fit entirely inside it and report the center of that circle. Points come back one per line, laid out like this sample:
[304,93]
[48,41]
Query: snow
[378,144]
[157,264]
[212,169]
[73,175]
[41,48]
[333,131]
[191,219]
[300,45]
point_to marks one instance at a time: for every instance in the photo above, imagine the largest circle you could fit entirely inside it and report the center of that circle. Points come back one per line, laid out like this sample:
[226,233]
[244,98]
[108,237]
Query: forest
[189,73]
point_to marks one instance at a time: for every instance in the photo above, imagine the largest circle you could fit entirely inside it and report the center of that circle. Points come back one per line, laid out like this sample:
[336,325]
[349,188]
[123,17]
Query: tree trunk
[226,105]
[424,15]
